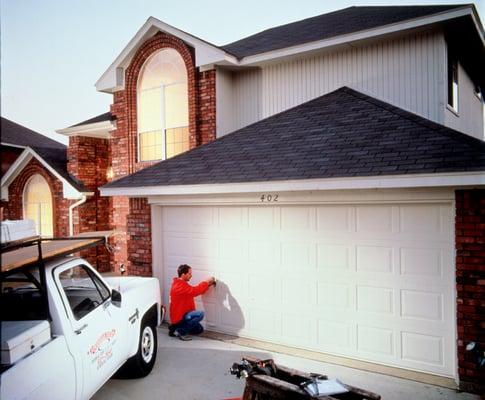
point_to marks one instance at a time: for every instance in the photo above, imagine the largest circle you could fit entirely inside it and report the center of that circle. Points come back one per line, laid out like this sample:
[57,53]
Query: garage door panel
[297,219]
[335,219]
[375,340]
[335,256]
[375,259]
[369,281]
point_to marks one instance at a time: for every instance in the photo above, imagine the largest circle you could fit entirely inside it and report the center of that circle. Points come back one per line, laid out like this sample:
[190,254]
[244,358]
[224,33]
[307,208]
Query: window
[452,82]
[37,204]
[83,289]
[163,107]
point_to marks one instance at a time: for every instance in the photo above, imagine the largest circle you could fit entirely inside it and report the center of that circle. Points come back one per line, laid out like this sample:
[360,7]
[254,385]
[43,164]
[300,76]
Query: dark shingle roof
[51,151]
[342,134]
[99,118]
[348,20]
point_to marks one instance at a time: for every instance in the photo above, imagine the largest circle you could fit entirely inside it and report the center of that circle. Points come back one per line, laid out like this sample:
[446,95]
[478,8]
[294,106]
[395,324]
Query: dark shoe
[185,338]
[171,331]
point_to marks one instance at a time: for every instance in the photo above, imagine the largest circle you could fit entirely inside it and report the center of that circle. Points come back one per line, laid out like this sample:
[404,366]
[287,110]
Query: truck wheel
[141,364]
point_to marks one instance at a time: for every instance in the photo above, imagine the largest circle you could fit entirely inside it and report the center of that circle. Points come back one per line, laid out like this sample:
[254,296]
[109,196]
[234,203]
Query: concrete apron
[199,369]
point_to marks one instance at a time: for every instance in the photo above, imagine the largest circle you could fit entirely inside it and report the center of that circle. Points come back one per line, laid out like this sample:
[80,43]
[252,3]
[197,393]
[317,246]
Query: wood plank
[50,249]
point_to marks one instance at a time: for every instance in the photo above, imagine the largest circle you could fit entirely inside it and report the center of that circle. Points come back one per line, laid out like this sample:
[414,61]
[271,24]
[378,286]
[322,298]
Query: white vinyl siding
[408,72]
[470,116]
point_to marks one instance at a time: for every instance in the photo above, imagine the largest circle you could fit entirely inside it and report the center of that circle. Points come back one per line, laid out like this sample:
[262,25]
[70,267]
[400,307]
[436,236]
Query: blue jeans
[190,324]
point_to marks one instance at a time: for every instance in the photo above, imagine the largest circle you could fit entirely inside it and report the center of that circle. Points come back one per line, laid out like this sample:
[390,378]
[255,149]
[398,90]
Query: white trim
[96,130]
[377,182]
[69,191]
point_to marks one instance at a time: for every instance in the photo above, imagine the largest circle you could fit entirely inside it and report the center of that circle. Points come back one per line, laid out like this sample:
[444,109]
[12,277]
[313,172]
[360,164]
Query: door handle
[78,331]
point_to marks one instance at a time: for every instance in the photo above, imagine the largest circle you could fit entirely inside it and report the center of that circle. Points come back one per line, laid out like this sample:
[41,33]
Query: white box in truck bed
[20,338]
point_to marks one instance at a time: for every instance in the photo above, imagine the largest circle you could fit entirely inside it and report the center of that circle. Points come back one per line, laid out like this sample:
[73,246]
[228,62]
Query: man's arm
[193,291]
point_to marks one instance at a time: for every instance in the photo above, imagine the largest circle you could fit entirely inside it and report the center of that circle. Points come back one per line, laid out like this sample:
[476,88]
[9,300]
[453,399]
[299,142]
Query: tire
[141,364]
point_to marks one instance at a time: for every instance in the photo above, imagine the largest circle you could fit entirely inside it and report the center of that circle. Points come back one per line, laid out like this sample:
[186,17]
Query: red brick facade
[133,216]
[13,209]
[470,285]
[88,160]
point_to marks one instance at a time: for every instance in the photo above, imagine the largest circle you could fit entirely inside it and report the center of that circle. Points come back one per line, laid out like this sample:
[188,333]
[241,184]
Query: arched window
[37,202]
[163,107]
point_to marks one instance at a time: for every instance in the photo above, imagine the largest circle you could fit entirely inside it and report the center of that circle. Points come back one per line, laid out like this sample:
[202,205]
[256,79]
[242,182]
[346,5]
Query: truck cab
[66,329]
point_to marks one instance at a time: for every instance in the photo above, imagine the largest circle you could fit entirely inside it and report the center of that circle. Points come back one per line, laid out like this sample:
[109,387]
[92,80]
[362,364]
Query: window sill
[452,110]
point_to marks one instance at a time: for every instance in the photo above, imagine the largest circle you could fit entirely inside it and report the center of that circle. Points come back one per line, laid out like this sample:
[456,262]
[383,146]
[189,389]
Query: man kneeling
[184,318]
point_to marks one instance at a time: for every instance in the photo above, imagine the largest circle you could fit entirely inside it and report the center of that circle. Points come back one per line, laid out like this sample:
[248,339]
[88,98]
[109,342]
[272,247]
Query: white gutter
[71,208]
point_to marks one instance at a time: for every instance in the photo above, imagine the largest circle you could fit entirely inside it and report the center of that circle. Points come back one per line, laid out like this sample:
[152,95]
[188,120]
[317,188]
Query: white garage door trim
[367,332]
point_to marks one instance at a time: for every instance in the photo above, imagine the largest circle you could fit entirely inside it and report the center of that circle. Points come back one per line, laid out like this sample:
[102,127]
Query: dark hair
[183,269]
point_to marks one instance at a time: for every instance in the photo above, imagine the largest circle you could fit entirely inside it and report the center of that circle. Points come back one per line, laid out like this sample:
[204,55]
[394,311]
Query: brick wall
[88,160]
[133,216]
[13,209]
[470,284]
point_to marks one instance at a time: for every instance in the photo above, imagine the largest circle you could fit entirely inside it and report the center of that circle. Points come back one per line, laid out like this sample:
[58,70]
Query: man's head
[184,272]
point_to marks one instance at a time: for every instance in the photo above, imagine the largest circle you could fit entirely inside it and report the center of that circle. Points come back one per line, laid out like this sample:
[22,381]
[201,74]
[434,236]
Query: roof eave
[100,130]
[68,190]
[206,53]
[452,179]
[466,10]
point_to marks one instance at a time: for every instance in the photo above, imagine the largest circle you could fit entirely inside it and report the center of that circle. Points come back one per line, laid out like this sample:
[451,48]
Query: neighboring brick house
[39,183]
[340,220]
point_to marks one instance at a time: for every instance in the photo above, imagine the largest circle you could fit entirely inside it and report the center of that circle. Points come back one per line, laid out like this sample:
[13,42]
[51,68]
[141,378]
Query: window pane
[38,205]
[176,106]
[150,116]
[177,141]
[150,144]
[163,68]
[81,292]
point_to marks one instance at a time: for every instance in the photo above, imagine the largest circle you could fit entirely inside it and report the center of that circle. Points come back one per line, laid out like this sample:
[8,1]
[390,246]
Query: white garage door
[371,282]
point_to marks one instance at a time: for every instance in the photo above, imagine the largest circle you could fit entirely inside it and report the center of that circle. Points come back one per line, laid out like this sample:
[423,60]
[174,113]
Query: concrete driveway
[199,370]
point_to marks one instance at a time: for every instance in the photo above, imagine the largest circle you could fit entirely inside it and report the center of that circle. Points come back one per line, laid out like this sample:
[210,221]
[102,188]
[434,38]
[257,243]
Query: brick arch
[158,42]
[13,209]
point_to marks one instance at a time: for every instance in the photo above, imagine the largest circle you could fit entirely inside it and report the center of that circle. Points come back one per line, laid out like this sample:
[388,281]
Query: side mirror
[116,298]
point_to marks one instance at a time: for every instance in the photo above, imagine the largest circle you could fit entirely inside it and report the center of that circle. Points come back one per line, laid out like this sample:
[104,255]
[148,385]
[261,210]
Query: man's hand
[211,281]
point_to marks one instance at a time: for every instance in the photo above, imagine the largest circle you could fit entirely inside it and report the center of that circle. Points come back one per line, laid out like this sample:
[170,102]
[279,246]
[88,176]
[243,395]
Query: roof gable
[342,134]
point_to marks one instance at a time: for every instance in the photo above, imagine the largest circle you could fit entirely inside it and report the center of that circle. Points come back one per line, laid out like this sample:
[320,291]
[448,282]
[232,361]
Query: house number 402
[269,198]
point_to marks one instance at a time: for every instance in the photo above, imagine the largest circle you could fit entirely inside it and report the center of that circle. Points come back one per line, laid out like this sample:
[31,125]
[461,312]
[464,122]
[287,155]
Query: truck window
[83,289]
[21,296]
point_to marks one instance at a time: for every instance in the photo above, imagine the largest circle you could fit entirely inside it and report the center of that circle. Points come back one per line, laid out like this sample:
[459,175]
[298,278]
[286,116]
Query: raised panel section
[334,334]
[423,262]
[261,218]
[422,348]
[262,252]
[334,219]
[374,259]
[295,218]
[295,256]
[375,340]
[333,256]
[230,217]
[296,292]
[374,299]
[374,219]
[420,219]
[203,217]
[425,305]
[296,327]
[333,295]
[263,322]
[232,249]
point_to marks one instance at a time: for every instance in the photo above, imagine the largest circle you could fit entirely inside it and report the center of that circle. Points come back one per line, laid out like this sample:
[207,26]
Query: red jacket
[182,298]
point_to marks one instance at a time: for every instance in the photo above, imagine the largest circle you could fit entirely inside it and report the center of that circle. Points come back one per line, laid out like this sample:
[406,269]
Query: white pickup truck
[65,329]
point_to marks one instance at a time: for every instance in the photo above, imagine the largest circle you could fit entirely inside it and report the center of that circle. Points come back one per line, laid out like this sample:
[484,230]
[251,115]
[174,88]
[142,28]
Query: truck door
[97,339]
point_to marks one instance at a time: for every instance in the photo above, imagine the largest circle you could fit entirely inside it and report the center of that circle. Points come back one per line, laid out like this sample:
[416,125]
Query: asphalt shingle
[341,134]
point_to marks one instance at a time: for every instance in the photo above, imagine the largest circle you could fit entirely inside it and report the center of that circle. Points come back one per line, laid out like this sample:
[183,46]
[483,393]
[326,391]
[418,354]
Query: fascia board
[357,36]
[379,182]
[96,130]
[205,52]
[68,191]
